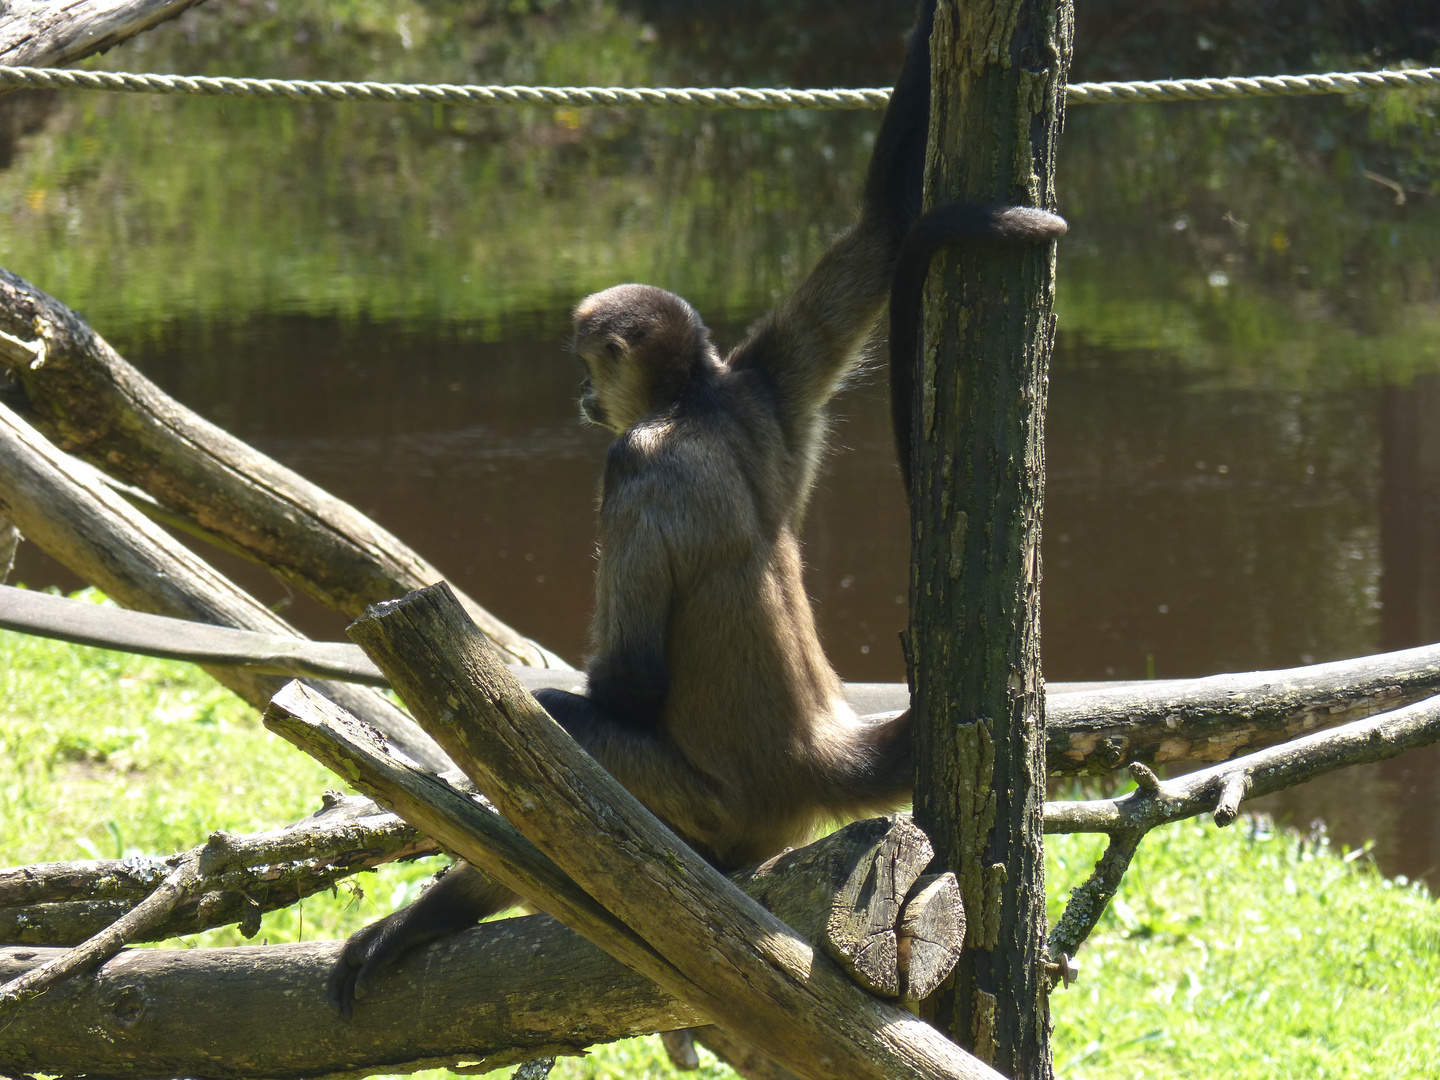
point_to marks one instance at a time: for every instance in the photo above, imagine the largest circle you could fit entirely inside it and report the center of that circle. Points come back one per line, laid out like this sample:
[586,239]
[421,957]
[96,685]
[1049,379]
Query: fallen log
[504,992]
[90,402]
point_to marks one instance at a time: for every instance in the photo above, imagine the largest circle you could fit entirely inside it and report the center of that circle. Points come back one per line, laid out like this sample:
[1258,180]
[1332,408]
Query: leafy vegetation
[1247,953]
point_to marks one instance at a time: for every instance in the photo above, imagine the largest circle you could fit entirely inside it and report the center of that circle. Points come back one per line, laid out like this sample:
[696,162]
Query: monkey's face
[591,411]
[640,346]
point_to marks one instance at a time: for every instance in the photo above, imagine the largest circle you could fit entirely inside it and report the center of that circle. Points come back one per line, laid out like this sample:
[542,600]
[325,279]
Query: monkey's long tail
[952,223]
[877,772]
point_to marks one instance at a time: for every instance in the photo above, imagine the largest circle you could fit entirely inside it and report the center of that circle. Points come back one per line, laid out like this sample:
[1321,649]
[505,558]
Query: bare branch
[1218,790]
[107,942]
[65,903]
[1213,790]
[1216,718]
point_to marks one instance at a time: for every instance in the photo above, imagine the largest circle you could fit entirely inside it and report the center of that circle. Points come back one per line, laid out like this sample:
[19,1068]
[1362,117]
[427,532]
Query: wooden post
[999,76]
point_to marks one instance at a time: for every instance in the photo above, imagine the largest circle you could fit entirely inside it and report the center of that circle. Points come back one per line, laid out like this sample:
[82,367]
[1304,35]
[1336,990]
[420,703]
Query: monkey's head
[641,346]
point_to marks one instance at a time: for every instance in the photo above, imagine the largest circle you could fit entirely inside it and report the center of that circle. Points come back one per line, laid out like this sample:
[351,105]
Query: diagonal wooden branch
[65,903]
[703,940]
[42,33]
[92,403]
[108,543]
[1218,790]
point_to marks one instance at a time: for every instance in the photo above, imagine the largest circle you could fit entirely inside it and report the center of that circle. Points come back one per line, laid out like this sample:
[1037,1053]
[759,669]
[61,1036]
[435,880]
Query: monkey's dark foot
[366,953]
[458,899]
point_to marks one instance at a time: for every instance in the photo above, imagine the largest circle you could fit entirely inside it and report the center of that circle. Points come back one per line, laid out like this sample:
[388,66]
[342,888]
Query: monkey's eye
[614,350]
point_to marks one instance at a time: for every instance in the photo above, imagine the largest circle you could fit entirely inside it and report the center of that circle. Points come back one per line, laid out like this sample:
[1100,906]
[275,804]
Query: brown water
[1243,446]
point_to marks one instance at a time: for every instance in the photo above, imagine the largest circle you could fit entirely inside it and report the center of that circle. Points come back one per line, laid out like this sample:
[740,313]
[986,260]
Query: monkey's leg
[459,899]
[637,753]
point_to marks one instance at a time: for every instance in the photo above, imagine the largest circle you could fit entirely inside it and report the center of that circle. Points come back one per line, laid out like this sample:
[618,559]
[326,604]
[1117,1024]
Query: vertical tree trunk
[999,75]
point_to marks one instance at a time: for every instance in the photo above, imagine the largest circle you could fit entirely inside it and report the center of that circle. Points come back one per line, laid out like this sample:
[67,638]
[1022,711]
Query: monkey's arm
[634,583]
[809,344]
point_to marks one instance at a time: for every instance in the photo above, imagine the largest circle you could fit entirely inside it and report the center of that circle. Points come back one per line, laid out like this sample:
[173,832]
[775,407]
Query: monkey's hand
[458,900]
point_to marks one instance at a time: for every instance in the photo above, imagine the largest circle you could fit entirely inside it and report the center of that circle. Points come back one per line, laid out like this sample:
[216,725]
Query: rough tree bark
[999,70]
[43,33]
[64,903]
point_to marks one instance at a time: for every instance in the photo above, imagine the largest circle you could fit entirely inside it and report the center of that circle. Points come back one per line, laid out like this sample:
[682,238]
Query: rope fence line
[692,97]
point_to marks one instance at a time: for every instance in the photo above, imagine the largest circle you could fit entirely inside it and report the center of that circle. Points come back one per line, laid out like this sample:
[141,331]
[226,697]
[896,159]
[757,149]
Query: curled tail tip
[1030,223]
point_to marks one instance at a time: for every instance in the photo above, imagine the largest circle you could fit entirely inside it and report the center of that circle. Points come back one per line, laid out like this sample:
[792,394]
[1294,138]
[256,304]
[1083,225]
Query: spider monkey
[708,694]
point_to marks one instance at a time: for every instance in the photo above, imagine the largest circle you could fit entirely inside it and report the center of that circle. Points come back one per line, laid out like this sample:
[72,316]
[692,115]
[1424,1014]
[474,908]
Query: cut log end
[932,929]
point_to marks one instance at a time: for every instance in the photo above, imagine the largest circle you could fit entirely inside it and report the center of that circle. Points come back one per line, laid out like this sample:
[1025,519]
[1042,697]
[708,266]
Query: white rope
[691,97]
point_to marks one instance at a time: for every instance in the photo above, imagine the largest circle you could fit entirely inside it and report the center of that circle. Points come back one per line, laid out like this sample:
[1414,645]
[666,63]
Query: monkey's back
[705,495]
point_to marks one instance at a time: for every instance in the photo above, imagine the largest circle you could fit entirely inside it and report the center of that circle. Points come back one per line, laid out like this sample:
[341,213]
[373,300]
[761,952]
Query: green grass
[1242,953]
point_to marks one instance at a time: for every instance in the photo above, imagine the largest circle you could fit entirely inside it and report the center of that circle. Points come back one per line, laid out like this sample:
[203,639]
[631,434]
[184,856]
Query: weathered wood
[504,992]
[107,542]
[92,403]
[105,943]
[65,903]
[489,993]
[43,33]
[1218,790]
[1156,802]
[1216,718]
[712,946]
[998,70]
[500,994]
[858,887]
[929,936]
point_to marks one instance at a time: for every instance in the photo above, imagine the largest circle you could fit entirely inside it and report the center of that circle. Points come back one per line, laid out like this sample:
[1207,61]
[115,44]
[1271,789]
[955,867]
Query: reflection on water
[1243,446]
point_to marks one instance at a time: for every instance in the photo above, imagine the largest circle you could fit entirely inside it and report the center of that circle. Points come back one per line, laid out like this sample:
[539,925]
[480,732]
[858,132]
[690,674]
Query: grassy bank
[1247,953]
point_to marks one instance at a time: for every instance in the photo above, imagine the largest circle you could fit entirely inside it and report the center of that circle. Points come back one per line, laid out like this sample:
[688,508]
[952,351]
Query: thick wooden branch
[499,994]
[66,903]
[476,833]
[107,542]
[43,33]
[92,403]
[1216,718]
[704,941]
[1218,790]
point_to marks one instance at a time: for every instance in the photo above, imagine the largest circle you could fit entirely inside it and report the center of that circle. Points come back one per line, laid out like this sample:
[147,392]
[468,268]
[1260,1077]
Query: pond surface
[1243,446]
